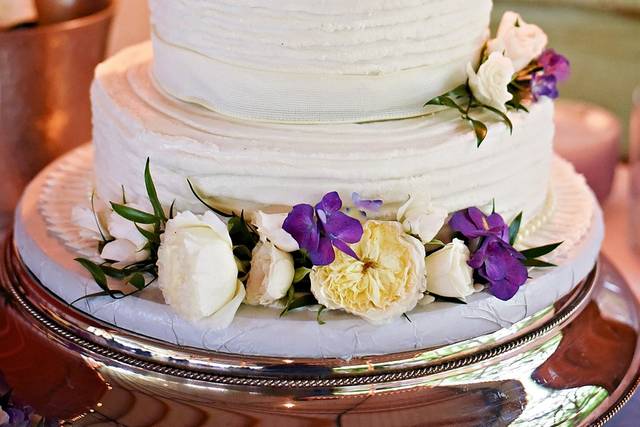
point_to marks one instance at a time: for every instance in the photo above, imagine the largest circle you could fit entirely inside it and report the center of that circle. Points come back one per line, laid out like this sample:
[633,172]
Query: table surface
[618,249]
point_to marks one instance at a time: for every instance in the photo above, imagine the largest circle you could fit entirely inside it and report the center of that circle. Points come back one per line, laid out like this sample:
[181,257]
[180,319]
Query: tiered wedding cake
[383,160]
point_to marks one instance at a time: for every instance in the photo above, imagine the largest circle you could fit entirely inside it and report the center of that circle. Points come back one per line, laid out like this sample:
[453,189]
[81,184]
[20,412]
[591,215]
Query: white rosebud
[448,273]
[518,41]
[271,274]
[197,271]
[270,228]
[124,252]
[420,218]
[490,84]
[122,228]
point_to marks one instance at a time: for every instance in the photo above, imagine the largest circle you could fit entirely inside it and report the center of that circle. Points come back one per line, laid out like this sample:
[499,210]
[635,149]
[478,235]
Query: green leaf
[318,319]
[241,233]
[134,215]
[480,130]
[300,274]
[537,263]
[152,193]
[149,235]
[137,281]
[114,272]
[539,251]
[504,117]
[218,211]
[436,242]
[302,301]
[242,252]
[446,102]
[514,228]
[96,272]
[112,294]
[453,300]
[459,92]
[171,208]
[95,218]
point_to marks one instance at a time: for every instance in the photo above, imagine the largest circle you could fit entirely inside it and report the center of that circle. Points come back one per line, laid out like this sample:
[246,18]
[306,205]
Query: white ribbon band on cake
[271,96]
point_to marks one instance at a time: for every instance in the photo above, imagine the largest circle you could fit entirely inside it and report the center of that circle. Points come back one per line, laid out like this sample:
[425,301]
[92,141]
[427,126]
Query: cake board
[575,364]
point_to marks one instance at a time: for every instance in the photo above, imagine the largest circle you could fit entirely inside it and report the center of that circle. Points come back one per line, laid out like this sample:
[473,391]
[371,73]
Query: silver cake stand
[574,363]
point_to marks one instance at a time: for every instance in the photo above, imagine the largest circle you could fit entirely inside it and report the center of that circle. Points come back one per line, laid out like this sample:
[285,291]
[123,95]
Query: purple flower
[555,65]
[19,417]
[501,266]
[317,230]
[544,85]
[495,261]
[365,205]
[473,223]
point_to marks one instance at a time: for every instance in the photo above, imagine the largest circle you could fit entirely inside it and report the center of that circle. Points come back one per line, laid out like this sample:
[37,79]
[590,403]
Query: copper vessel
[45,74]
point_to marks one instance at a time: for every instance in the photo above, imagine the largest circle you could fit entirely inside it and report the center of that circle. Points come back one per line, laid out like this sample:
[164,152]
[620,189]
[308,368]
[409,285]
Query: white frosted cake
[369,176]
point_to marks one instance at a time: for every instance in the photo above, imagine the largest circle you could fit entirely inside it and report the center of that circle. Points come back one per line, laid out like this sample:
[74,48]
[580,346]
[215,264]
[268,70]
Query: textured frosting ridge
[249,165]
[310,61]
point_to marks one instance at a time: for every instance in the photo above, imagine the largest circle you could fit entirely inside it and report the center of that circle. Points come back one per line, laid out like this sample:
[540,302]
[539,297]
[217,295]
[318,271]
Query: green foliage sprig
[141,274]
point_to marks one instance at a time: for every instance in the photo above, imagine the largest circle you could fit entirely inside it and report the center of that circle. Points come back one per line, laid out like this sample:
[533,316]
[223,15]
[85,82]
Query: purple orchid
[495,261]
[555,65]
[366,205]
[318,230]
[544,85]
[473,223]
[501,266]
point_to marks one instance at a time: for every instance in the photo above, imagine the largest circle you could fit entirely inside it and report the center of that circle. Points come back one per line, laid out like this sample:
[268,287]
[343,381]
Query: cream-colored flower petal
[270,228]
[386,281]
[223,317]
[197,270]
[271,274]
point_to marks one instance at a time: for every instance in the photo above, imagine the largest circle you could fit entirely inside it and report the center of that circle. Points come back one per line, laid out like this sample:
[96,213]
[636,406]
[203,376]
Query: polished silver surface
[574,363]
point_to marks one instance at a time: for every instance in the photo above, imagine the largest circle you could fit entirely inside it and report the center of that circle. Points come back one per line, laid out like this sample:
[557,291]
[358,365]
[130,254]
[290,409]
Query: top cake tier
[309,61]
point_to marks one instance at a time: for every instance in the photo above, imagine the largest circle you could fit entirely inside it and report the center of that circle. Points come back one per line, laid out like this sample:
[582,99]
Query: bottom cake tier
[48,241]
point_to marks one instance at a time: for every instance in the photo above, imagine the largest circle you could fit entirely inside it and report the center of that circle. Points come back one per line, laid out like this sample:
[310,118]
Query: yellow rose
[386,281]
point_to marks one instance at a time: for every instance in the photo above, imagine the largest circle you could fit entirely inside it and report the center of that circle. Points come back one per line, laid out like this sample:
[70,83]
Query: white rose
[197,271]
[518,41]
[448,273]
[420,218]
[270,228]
[490,84]
[271,274]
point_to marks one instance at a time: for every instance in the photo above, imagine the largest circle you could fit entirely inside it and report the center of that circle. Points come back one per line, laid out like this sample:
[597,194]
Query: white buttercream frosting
[250,165]
[315,61]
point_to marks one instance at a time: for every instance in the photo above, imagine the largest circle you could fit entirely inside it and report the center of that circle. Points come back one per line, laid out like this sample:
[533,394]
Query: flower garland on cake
[515,70]
[326,256]
[323,256]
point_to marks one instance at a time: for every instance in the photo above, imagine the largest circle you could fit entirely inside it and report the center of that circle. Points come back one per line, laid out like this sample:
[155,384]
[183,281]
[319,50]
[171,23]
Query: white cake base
[45,246]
